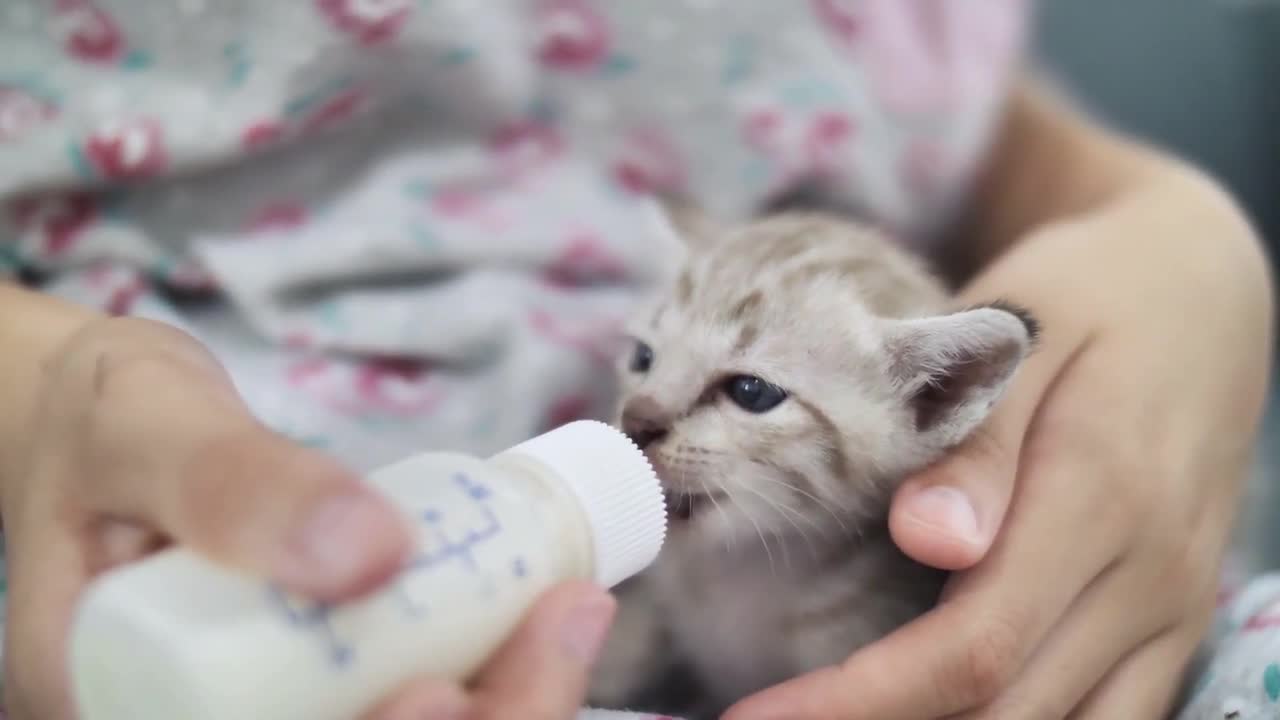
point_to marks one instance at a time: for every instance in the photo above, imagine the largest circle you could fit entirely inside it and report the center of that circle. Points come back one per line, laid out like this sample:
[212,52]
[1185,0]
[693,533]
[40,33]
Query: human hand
[137,440]
[540,673]
[1128,433]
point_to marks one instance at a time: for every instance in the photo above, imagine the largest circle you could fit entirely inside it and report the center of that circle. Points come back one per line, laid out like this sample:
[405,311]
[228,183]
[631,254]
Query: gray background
[1200,76]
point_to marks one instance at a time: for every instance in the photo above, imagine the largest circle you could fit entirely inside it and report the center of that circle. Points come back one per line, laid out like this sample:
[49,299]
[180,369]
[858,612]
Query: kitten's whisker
[821,529]
[786,512]
[707,491]
[816,500]
[787,557]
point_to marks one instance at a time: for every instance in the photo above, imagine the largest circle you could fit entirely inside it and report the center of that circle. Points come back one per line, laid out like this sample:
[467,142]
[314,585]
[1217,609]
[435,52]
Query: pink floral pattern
[842,19]
[128,151]
[649,163]
[801,144]
[924,57]
[89,33]
[572,35]
[369,22]
[525,147]
[336,110]
[123,298]
[117,289]
[261,134]
[1268,617]
[585,259]
[190,276]
[59,220]
[381,386]
[599,341]
[298,340]
[22,112]
[473,208]
[341,107]
[280,215]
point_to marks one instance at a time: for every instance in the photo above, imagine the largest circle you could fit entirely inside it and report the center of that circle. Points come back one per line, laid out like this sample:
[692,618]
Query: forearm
[1155,215]
[32,326]
[1050,162]
[1096,229]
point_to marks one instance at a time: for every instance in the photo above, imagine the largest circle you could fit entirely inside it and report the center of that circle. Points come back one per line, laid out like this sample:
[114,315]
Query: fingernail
[336,542]
[587,626]
[948,510]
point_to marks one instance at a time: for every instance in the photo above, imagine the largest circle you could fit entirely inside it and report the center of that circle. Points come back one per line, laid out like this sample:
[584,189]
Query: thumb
[218,481]
[541,671]
[948,515]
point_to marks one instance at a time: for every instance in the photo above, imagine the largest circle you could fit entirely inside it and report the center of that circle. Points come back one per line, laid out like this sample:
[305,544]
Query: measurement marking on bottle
[444,549]
[314,615]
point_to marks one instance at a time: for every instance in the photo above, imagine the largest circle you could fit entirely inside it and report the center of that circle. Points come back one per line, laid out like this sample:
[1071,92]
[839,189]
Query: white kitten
[796,369]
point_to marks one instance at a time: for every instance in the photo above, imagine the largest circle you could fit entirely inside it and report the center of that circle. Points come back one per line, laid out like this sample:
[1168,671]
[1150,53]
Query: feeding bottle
[177,637]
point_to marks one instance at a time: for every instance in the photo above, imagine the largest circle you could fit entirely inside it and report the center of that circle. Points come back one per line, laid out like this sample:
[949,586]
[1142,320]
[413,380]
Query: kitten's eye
[753,394]
[641,358]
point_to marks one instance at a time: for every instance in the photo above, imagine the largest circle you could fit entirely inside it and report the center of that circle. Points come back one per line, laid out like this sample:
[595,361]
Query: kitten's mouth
[683,506]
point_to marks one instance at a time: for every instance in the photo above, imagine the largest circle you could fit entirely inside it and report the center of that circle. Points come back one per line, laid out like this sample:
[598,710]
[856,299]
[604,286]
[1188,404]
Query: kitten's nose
[644,437]
[644,421]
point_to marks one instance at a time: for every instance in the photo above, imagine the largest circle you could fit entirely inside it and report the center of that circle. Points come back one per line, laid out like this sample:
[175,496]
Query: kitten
[795,370]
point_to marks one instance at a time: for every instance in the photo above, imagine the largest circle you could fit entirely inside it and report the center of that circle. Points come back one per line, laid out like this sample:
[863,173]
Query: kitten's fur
[786,565]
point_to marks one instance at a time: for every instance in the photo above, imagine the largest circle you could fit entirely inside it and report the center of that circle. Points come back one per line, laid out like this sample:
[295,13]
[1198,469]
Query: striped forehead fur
[788,255]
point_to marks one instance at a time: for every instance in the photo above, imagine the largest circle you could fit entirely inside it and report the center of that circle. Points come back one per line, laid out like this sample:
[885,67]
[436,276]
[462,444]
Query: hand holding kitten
[1127,433]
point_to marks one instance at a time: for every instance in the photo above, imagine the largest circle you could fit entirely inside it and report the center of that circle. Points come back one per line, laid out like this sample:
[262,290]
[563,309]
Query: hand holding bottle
[122,437]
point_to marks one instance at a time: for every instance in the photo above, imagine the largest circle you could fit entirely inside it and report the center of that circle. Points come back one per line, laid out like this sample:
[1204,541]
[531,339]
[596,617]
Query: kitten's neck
[796,552]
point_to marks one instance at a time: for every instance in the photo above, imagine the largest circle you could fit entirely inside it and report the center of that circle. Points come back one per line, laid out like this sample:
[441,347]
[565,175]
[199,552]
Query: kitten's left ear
[952,369]
[679,227]
[692,224]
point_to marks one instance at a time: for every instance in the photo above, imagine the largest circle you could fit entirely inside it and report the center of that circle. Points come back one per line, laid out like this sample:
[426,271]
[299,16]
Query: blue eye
[753,394]
[641,358]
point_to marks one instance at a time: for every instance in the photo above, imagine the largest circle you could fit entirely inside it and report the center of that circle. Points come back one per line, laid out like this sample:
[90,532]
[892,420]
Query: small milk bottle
[176,637]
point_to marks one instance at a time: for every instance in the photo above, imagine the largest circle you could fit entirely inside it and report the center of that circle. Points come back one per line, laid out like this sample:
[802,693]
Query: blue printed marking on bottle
[442,549]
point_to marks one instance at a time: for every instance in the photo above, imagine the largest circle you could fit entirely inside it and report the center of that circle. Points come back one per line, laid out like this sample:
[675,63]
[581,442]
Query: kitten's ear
[691,223]
[680,228]
[952,369]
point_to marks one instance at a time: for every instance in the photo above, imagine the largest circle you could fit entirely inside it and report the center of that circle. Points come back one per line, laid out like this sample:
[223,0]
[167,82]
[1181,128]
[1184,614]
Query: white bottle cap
[619,493]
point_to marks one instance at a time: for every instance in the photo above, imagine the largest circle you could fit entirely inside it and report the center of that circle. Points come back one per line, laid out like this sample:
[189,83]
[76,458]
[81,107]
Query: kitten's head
[797,368]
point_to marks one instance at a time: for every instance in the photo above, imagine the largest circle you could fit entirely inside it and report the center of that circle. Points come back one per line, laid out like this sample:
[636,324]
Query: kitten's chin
[684,507]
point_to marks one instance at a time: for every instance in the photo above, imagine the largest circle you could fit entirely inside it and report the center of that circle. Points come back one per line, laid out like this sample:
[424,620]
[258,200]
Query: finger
[425,699]
[200,468]
[117,543]
[1102,629]
[541,672]
[1098,632]
[47,567]
[966,651]
[1145,685]
[959,656]
[948,515]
